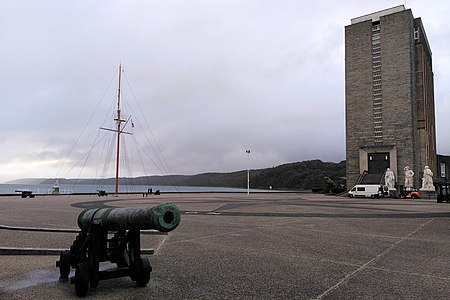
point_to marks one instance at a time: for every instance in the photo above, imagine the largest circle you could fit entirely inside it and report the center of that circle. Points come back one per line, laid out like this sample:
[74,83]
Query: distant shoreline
[83,189]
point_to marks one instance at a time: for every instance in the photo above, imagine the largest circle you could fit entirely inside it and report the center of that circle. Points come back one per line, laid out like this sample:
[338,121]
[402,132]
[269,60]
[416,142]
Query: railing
[361,177]
[382,179]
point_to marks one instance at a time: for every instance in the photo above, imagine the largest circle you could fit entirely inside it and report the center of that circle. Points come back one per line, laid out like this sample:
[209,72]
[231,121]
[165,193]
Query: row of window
[376,84]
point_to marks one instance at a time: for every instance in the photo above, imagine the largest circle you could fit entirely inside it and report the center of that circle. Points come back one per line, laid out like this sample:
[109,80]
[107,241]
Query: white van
[366,190]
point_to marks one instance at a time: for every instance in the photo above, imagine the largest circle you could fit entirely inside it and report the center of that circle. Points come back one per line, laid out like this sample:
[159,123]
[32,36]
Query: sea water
[88,188]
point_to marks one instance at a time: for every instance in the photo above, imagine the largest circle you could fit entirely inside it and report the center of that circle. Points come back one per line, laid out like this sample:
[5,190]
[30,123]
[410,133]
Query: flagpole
[248,171]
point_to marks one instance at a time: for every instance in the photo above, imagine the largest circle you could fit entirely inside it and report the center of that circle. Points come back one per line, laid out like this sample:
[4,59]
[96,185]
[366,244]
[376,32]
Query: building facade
[443,165]
[389,96]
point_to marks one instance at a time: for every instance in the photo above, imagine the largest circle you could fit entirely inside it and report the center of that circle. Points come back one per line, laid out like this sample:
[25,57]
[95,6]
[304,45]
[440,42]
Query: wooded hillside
[306,175]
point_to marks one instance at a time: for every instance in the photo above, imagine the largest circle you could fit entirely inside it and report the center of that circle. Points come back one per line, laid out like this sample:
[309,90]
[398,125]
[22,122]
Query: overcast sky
[203,82]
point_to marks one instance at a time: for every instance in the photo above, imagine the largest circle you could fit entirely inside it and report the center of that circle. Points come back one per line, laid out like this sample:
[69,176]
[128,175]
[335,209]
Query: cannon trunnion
[94,245]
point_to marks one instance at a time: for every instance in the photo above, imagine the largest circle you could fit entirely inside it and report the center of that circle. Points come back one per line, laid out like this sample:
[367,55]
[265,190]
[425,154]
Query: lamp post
[248,171]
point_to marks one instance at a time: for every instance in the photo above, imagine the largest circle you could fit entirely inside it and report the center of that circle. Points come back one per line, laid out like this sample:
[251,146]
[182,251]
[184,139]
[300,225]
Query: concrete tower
[389,97]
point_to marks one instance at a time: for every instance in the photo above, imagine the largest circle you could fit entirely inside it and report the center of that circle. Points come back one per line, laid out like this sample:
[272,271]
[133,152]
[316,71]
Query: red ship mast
[118,130]
[119,121]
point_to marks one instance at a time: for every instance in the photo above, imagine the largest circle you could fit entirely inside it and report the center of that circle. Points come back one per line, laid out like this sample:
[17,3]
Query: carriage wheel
[143,270]
[82,279]
[64,264]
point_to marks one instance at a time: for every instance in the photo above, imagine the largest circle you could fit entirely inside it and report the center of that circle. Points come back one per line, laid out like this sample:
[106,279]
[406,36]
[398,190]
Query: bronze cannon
[94,245]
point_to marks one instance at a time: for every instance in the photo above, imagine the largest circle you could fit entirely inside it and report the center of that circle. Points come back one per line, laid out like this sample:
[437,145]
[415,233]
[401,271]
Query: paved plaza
[257,246]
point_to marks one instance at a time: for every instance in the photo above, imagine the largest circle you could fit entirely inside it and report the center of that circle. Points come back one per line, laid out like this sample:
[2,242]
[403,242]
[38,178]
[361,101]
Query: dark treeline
[306,175]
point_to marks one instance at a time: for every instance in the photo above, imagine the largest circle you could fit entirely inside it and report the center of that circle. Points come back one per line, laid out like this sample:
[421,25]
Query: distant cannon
[26,193]
[93,246]
[102,193]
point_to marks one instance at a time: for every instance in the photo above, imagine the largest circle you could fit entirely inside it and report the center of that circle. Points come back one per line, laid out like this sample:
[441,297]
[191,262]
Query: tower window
[416,34]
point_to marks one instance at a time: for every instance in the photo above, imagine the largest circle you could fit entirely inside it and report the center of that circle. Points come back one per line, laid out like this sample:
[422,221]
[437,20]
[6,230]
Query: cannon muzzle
[164,217]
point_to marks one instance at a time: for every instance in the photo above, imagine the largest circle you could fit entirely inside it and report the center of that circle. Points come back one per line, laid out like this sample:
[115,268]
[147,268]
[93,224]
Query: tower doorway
[378,162]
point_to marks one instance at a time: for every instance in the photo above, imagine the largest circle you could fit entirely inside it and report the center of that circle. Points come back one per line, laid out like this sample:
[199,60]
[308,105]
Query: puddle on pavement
[32,278]
[41,276]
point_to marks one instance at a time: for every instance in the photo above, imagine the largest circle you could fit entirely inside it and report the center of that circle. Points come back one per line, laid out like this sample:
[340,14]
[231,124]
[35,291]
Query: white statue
[389,179]
[409,174]
[427,180]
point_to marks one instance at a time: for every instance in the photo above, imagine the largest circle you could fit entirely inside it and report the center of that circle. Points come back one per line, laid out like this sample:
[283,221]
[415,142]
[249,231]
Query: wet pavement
[257,246]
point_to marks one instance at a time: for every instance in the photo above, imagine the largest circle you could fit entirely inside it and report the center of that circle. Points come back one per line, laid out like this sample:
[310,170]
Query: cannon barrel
[163,217]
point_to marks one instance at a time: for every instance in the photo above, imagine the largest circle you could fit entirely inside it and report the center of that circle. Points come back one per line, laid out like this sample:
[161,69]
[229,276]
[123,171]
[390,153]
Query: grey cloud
[213,78]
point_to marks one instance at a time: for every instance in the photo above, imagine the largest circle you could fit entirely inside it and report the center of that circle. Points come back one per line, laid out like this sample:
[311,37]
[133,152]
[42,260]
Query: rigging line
[145,171]
[166,176]
[76,164]
[142,164]
[85,126]
[151,132]
[99,159]
[158,152]
[109,146]
[148,156]
[90,151]
[126,163]
[163,164]
[147,182]
[86,154]
[110,113]
[85,161]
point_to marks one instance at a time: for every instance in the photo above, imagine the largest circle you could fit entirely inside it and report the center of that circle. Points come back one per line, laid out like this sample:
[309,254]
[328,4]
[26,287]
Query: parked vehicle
[404,194]
[410,195]
[366,191]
